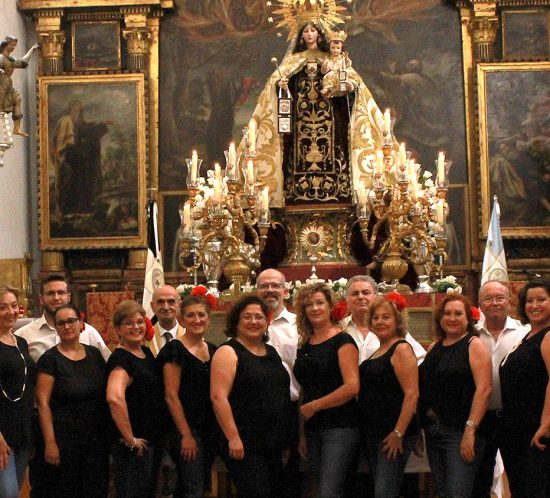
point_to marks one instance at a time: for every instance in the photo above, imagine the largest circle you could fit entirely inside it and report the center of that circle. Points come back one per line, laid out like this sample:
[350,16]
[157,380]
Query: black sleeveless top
[381,396]
[260,399]
[523,382]
[447,384]
[318,371]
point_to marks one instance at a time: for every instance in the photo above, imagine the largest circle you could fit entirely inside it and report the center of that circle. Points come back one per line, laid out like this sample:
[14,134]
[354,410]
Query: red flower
[201,290]
[339,311]
[82,317]
[476,314]
[397,299]
[149,329]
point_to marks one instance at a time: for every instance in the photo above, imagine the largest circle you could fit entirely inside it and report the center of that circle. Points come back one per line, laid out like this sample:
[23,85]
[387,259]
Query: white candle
[387,121]
[250,173]
[379,162]
[441,167]
[440,212]
[186,217]
[217,173]
[217,190]
[194,166]
[402,154]
[362,194]
[265,199]
[252,134]
[232,155]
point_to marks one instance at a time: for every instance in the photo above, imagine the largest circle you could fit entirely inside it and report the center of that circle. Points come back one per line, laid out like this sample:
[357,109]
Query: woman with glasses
[186,372]
[17,376]
[327,369]
[135,397]
[70,396]
[251,397]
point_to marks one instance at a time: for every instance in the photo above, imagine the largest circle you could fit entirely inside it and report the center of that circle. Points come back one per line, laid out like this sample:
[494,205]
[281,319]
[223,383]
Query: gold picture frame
[92,161]
[512,134]
[95,45]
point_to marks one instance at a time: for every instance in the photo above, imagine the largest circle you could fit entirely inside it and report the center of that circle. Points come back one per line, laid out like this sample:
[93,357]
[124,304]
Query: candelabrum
[224,210]
[402,214]
[6,137]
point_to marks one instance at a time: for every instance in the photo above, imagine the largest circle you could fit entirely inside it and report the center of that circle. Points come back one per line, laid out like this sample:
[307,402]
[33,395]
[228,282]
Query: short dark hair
[191,300]
[68,306]
[125,309]
[53,277]
[234,314]
[522,296]
[440,308]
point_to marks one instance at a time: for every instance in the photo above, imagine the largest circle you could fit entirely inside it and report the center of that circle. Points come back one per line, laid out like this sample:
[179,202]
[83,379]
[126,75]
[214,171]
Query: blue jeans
[388,474]
[12,476]
[452,475]
[135,476]
[330,455]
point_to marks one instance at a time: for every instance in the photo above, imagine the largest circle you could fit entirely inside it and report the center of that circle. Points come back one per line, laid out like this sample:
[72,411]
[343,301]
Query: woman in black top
[525,387]
[135,397]
[455,386]
[250,391]
[186,371]
[17,376]
[70,396]
[327,369]
[388,395]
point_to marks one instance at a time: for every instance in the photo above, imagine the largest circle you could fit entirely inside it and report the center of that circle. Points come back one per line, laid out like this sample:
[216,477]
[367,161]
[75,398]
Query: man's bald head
[165,304]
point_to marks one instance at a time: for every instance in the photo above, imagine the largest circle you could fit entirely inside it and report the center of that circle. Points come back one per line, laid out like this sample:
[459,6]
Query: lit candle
[387,121]
[440,212]
[441,167]
[232,155]
[250,173]
[217,191]
[217,173]
[402,154]
[194,166]
[414,189]
[186,218]
[362,194]
[252,134]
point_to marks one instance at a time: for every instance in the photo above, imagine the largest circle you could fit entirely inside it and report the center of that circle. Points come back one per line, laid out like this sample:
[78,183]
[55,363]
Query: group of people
[311,386]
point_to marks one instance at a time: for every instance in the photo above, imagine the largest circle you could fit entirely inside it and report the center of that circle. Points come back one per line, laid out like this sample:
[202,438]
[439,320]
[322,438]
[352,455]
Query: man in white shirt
[360,293]
[41,335]
[500,333]
[283,336]
[166,306]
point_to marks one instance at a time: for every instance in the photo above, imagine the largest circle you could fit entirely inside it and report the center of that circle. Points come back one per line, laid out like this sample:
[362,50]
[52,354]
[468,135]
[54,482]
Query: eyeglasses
[56,293]
[498,300]
[69,321]
[271,286]
[257,318]
[139,323]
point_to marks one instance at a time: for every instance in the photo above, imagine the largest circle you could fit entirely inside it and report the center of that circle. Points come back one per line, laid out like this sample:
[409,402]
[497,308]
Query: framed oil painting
[95,45]
[93,163]
[525,34]
[458,234]
[169,227]
[514,146]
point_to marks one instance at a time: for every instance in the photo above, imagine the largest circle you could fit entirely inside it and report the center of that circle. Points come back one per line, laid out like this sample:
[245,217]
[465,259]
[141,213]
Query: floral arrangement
[447,284]
[198,290]
[338,286]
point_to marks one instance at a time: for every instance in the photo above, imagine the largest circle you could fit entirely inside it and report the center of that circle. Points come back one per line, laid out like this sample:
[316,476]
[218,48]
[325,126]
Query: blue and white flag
[154,272]
[494,260]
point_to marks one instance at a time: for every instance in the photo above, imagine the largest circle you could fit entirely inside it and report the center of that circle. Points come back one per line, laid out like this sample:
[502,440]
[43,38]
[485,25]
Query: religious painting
[457,232]
[409,55]
[93,163]
[95,45]
[514,146]
[525,34]
[170,202]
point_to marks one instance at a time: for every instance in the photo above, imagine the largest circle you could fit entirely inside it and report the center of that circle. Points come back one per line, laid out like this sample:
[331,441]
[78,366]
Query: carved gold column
[52,40]
[484,25]
[137,259]
[52,261]
[137,35]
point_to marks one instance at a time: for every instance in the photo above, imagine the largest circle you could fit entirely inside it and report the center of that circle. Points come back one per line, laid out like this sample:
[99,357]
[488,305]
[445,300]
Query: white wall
[16,214]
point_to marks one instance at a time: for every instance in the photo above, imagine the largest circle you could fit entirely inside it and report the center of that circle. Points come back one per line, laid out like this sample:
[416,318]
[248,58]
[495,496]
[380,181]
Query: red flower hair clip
[82,317]
[201,290]
[476,314]
[339,311]
[397,300]
[149,329]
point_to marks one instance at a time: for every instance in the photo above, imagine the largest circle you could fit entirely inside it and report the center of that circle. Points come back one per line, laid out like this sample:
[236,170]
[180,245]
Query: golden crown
[336,36]
[297,13]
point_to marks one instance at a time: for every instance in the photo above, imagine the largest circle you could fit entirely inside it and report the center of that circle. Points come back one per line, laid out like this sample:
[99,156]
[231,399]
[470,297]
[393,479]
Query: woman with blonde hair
[327,369]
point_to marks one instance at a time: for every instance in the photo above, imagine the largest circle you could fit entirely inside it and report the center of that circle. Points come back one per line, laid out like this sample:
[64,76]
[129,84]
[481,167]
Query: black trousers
[256,475]
[491,427]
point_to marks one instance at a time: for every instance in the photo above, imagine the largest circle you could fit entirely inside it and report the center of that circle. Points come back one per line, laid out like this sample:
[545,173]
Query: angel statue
[10,100]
